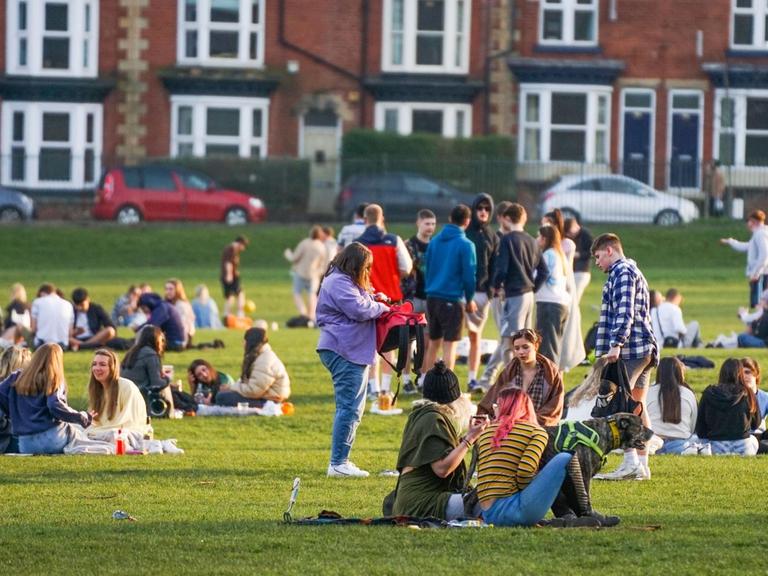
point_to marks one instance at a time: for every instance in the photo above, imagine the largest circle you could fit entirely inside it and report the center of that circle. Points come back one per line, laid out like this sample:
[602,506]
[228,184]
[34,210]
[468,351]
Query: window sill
[747,52]
[566,49]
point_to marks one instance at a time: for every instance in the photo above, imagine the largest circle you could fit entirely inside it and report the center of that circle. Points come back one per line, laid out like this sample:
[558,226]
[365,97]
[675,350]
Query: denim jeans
[530,505]
[232,398]
[745,447]
[674,446]
[349,382]
[750,341]
[52,441]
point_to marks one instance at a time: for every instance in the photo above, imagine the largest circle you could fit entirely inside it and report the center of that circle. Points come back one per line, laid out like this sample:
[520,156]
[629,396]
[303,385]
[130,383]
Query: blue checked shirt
[625,318]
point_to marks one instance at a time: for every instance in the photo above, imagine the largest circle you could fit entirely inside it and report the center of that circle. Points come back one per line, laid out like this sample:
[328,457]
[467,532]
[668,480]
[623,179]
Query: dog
[619,431]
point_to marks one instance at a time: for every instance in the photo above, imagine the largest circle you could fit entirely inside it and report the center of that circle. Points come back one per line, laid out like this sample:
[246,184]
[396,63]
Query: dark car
[156,192]
[400,194]
[15,206]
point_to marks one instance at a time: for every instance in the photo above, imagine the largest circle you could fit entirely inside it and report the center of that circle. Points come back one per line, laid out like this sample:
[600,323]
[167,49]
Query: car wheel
[128,215]
[236,217]
[10,214]
[570,213]
[668,218]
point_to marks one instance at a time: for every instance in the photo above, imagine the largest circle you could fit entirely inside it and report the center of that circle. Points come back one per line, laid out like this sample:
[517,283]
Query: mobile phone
[480,417]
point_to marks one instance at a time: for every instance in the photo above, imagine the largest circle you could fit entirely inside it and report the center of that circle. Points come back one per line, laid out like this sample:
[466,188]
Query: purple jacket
[345,314]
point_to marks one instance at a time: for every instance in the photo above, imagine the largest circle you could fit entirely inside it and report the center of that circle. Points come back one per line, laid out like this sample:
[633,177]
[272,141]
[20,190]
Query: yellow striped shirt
[510,467]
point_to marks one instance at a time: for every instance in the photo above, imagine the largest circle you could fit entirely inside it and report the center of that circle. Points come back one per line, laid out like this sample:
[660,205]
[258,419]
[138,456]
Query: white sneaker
[644,473]
[654,444]
[154,446]
[346,470]
[624,472]
[169,447]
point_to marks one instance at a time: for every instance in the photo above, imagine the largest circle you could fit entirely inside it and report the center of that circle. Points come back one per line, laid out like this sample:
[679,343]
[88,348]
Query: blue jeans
[750,341]
[745,447]
[527,507]
[52,441]
[349,382]
[674,446]
[232,398]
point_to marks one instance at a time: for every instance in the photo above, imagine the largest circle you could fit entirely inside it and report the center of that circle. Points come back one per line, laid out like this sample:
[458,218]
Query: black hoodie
[724,415]
[486,244]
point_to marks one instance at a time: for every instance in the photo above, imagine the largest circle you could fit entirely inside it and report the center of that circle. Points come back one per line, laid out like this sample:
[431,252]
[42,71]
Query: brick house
[653,89]
[91,83]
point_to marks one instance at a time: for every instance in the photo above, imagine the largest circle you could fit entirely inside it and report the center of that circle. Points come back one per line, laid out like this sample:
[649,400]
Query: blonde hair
[589,388]
[13,358]
[45,373]
[103,399]
[18,292]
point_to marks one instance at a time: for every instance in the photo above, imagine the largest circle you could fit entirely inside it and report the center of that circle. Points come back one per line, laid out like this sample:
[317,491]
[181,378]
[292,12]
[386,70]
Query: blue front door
[637,145]
[684,160]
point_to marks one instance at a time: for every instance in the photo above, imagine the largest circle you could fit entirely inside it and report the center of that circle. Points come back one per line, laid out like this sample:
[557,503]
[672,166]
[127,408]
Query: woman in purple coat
[346,314]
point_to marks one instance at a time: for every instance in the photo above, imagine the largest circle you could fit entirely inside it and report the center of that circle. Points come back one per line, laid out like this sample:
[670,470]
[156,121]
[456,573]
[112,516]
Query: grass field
[217,509]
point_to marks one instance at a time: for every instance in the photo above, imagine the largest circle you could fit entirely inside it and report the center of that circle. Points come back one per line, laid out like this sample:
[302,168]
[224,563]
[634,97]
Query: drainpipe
[491,57]
[364,16]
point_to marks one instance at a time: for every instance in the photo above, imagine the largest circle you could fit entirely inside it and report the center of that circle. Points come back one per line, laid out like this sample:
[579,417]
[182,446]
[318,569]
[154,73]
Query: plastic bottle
[120,443]
[199,395]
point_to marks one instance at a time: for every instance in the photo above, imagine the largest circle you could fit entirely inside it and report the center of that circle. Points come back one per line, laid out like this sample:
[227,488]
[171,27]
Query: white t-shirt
[688,411]
[53,316]
[670,321]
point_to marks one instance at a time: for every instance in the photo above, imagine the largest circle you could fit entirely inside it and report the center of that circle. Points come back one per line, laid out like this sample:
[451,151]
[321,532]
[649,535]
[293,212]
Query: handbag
[614,395]
[396,329]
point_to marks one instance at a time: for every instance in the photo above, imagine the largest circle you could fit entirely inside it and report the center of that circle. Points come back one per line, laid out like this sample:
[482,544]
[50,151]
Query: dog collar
[615,435]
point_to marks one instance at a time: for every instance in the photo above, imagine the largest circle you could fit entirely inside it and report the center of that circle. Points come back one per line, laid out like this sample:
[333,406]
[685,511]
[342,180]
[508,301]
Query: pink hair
[514,406]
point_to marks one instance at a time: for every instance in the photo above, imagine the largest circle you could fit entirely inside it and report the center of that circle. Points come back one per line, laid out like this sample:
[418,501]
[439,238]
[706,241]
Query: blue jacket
[450,265]
[164,315]
[36,414]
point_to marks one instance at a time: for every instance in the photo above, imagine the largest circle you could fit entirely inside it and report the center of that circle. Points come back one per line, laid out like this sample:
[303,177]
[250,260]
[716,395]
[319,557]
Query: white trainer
[623,472]
[346,470]
[169,447]
[644,473]
[654,444]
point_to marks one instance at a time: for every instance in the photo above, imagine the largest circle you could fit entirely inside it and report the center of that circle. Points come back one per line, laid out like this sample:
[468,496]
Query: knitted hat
[441,385]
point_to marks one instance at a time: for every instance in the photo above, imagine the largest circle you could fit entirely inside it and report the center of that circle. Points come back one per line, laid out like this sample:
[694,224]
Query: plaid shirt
[625,318]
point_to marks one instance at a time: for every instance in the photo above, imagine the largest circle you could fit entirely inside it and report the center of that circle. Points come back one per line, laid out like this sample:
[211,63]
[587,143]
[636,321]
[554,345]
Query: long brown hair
[103,399]
[555,218]
[732,381]
[178,288]
[200,362]
[355,261]
[552,239]
[150,336]
[255,338]
[45,373]
[671,376]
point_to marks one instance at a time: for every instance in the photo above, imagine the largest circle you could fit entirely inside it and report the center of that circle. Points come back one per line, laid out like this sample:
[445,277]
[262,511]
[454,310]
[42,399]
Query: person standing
[350,232]
[486,247]
[582,257]
[450,286]
[230,276]
[757,254]
[624,331]
[346,314]
[308,262]
[553,299]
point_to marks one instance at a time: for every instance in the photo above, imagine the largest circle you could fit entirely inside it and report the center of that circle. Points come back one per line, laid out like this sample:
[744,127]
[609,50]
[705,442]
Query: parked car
[400,194]
[15,206]
[158,192]
[616,198]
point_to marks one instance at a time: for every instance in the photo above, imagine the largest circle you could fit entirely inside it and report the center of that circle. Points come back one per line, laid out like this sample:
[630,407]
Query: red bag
[396,329]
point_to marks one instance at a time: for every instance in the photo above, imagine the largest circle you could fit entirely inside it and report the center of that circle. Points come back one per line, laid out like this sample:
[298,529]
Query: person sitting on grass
[431,457]
[176,295]
[17,322]
[142,365]
[36,401]
[205,309]
[672,407]
[12,359]
[92,327]
[165,316]
[263,376]
[205,380]
[511,488]
[728,412]
[752,378]
[125,311]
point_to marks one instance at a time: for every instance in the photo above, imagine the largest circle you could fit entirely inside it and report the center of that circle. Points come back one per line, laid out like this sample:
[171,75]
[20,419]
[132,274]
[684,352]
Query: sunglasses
[483,208]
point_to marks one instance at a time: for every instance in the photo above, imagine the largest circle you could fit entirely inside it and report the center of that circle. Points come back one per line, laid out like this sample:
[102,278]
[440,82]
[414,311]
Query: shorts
[477,319]
[639,372]
[300,284]
[444,319]
[231,288]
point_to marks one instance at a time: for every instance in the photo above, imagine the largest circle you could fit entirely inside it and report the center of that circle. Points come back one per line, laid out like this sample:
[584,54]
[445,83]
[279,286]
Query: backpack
[396,329]
[614,395]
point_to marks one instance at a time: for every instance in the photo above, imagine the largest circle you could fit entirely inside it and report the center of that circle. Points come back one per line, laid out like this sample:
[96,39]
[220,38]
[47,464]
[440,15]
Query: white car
[616,198]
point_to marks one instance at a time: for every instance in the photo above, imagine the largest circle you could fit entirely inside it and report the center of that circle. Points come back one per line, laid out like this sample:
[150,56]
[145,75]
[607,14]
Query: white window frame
[739,130]
[405,110]
[545,126]
[456,41]
[203,26]
[83,45]
[758,11]
[670,115]
[623,109]
[33,142]
[569,9]
[200,139]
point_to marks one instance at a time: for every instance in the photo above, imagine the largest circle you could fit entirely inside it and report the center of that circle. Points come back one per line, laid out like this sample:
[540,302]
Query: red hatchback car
[153,192]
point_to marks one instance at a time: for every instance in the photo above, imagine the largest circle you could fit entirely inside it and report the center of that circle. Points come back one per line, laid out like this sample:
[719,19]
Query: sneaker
[474,387]
[346,470]
[409,388]
[169,447]
[654,444]
[644,473]
[623,472]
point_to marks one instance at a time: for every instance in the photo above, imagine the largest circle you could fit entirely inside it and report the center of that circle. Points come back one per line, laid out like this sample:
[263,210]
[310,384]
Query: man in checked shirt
[624,331]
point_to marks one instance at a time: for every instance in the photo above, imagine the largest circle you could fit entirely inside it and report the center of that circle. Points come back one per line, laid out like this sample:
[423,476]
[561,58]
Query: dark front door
[637,145]
[684,161]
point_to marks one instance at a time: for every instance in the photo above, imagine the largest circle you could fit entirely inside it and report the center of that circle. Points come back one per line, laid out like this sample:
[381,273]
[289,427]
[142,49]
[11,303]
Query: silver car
[15,206]
[616,198]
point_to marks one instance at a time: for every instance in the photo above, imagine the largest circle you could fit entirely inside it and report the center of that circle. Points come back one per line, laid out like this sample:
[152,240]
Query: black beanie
[441,385]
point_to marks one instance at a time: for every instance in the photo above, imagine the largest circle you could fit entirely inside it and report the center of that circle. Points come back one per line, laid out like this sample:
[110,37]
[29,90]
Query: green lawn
[217,509]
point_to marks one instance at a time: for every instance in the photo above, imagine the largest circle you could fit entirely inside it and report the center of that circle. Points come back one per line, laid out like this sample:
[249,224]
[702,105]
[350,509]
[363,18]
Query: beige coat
[309,259]
[268,379]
